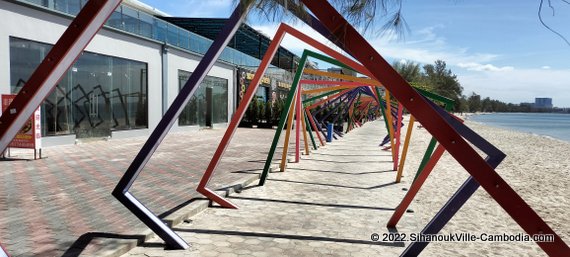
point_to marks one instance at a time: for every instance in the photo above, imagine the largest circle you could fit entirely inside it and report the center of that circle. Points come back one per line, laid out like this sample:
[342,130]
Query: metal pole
[298,126]
[405,150]
[63,54]
[121,190]
[238,115]
[283,164]
[282,119]
[439,124]
[397,134]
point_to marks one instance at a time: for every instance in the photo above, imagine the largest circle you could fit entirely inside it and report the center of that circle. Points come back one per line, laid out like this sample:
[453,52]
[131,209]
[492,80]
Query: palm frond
[362,14]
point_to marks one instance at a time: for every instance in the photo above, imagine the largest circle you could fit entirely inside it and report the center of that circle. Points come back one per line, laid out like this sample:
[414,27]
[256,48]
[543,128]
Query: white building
[127,76]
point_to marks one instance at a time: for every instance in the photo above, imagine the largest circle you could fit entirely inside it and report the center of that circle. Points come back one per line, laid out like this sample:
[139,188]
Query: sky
[497,49]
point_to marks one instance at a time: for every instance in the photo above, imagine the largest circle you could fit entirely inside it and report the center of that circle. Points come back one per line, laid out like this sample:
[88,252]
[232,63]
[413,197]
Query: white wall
[31,24]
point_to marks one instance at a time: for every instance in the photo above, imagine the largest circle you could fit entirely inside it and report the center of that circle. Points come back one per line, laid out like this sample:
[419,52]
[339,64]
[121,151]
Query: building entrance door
[93,107]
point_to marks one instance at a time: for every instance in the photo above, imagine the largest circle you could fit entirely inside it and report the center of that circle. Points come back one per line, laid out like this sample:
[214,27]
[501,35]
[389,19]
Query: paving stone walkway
[62,204]
[329,204]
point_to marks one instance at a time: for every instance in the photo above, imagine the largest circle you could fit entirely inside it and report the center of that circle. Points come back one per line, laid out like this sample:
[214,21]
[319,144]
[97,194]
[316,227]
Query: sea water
[556,125]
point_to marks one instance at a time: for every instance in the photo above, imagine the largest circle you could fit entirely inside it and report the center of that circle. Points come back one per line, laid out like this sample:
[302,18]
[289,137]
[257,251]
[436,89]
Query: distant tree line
[438,79]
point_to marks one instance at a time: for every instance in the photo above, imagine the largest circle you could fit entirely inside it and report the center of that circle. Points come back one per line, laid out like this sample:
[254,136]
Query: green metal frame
[448,106]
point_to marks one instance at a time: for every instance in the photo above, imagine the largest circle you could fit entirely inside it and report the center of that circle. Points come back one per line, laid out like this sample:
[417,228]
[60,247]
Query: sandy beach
[536,167]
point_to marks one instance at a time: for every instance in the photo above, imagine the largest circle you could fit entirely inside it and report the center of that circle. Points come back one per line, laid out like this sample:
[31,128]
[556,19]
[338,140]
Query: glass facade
[208,104]
[143,24]
[97,95]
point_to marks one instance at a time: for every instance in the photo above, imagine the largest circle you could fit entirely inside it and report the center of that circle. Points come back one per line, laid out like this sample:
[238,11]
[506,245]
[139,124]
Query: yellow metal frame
[405,150]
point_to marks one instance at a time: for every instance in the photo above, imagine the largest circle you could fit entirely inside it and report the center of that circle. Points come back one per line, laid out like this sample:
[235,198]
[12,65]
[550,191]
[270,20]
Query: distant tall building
[543,103]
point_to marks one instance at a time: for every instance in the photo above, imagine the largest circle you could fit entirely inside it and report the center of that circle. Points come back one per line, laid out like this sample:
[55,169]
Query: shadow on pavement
[313,204]
[355,155]
[319,160]
[84,240]
[294,237]
[332,185]
[180,206]
[342,172]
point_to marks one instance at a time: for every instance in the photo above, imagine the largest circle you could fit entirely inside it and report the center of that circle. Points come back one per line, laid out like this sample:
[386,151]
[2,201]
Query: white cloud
[483,67]
[476,73]
[520,85]
[292,43]
[426,47]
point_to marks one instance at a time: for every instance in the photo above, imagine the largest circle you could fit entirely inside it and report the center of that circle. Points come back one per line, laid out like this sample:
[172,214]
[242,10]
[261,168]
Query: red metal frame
[354,44]
[417,184]
[238,115]
[415,188]
[63,54]
[314,126]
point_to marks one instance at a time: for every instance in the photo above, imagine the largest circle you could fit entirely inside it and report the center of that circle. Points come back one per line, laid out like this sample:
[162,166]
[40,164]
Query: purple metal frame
[494,158]
[339,31]
[335,27]
[121,191]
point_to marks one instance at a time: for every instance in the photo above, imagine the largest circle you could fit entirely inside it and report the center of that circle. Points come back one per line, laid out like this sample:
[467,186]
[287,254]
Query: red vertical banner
[30,135]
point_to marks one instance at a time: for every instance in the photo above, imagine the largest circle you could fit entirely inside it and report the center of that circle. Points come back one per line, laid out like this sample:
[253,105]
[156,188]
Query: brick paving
[49,205]
[329,204]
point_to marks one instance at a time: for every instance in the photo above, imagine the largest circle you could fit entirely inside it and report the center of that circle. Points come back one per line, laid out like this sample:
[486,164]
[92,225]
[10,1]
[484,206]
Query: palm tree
[410,71]
[361,13]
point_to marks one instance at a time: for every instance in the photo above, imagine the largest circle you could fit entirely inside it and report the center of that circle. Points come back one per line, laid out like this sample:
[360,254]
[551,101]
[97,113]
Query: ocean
[556,125]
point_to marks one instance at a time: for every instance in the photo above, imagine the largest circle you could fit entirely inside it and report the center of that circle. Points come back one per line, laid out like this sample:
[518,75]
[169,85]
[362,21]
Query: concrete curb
[112,247]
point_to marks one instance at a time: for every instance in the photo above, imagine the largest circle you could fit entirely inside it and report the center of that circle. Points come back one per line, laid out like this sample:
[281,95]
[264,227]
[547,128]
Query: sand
[536,167]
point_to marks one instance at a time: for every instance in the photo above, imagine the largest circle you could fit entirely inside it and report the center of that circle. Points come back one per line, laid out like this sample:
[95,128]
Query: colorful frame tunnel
[447,103]
[416,186]
[451,134]
[429,154]
[351,91]
[248,96]
[422,109]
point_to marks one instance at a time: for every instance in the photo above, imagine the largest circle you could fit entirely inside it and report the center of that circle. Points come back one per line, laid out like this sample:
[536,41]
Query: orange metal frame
[345,36]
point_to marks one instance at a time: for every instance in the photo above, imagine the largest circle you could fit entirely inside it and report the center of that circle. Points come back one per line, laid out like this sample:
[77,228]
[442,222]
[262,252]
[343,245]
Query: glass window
[172,36]
[39,2]
[140,23]
[68,6]
[189,115]
[131,20]
[184,39]
[116,19]
[146,28]
[196,111]
[199,44]
[97,94]
[160,27]
[220,98]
